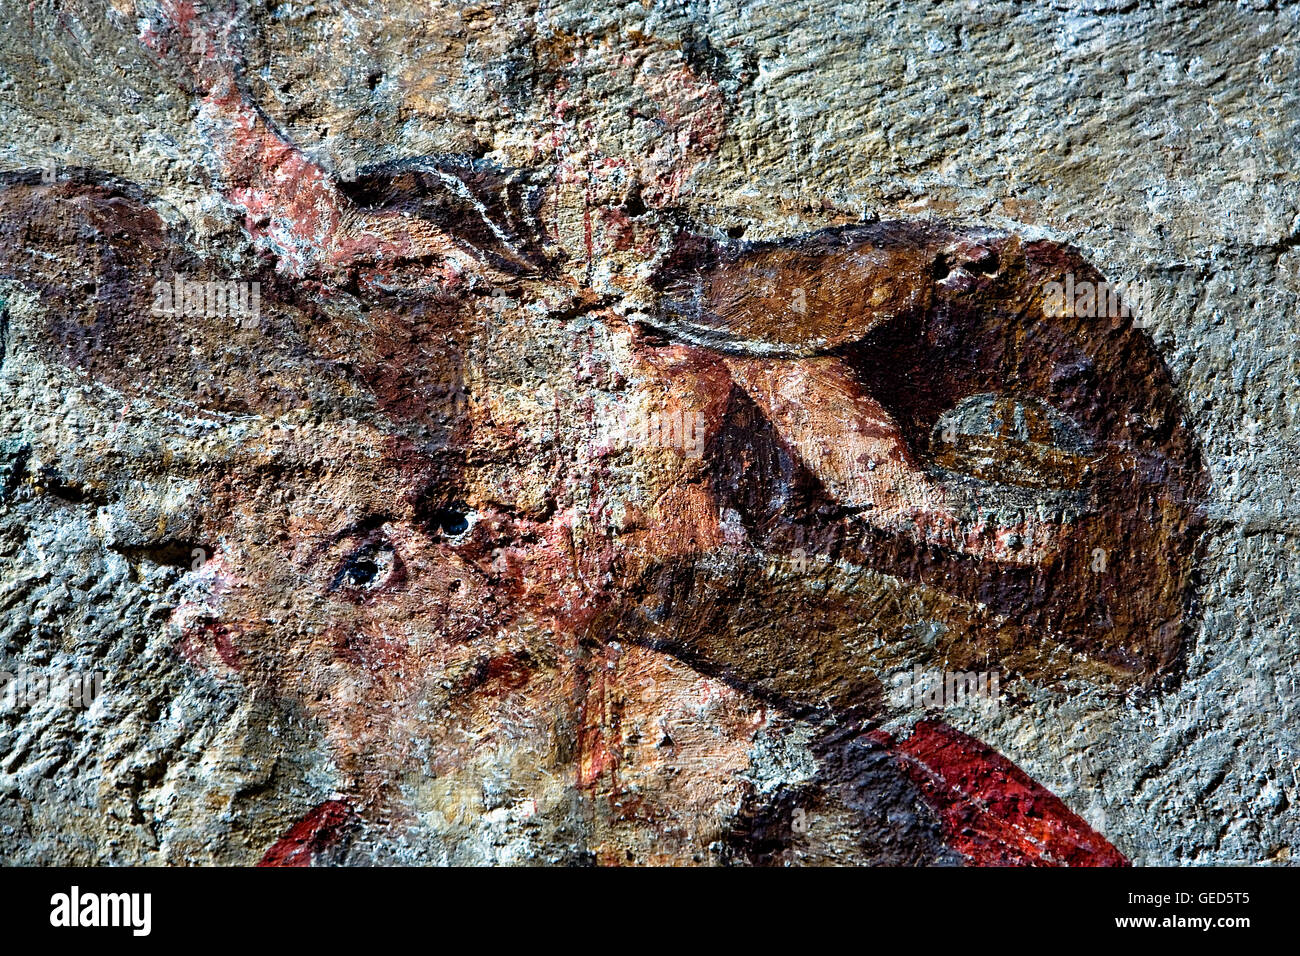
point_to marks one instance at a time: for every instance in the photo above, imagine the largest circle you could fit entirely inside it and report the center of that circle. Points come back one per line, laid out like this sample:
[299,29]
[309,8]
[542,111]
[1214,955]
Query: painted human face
[510,422]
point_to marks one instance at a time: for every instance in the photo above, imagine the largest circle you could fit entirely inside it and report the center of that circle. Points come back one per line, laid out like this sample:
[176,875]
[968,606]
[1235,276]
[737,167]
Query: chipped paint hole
[634,205]
[986,264]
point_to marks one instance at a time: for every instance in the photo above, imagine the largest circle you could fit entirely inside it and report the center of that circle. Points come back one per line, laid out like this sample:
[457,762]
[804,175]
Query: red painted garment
[992,812]
[317,831]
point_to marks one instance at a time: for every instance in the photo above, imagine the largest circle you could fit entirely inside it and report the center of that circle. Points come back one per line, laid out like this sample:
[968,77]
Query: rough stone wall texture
[381,575]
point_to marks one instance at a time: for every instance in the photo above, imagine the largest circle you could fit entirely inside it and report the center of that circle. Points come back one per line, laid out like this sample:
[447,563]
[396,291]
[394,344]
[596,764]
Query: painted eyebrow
[363,527]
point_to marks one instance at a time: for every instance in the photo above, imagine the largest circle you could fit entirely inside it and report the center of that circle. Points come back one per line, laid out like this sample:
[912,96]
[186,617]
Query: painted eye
[360,572]
[367,568]
[452,522]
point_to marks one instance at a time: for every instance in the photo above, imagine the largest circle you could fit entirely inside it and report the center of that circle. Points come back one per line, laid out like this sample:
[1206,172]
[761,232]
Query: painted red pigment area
[317,831]
[207,637]
[992,812]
